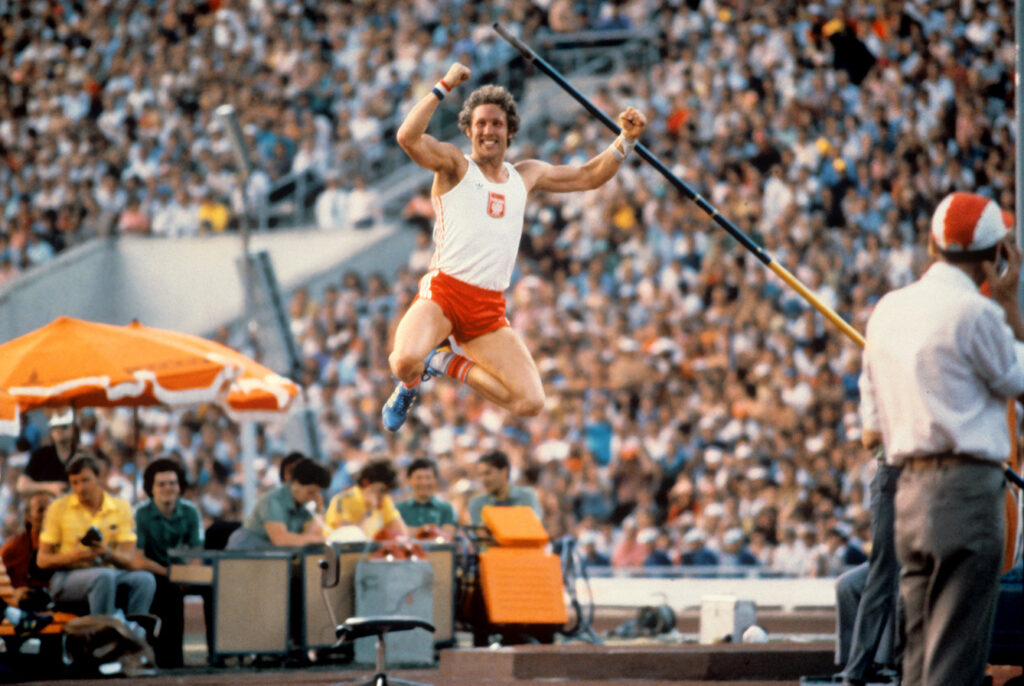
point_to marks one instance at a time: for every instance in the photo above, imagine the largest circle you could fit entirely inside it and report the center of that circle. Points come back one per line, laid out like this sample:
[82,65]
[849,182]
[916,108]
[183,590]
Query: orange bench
[7,593]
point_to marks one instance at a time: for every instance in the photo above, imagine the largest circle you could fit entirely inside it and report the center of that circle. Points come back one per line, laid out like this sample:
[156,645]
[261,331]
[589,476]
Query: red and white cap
[967,222]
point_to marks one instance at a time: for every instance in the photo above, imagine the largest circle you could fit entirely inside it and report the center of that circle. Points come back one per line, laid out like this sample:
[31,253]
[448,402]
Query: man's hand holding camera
[95,548]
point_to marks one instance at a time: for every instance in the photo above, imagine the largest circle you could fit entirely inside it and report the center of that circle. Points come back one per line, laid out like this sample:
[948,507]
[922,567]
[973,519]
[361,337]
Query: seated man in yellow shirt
[214,215]
[88,538]
[368,505]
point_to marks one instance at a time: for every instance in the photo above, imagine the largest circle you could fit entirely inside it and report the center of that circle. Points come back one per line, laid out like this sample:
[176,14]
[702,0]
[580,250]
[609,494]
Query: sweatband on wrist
[621,147]
[441,89]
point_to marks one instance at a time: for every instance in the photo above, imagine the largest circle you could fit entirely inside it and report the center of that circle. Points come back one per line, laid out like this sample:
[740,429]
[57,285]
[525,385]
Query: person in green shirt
[281,516]
[493,469]
[424,507]
[163,522]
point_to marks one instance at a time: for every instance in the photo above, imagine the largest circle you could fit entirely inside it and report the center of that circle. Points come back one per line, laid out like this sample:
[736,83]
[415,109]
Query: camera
[91,536]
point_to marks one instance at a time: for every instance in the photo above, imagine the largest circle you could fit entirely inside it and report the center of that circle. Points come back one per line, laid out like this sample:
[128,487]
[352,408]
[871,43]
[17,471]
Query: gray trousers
[104,587]
[849,589]
[876,609]
[949,540]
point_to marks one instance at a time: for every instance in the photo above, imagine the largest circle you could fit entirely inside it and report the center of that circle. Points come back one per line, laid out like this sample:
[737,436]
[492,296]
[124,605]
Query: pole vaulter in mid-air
[479,200]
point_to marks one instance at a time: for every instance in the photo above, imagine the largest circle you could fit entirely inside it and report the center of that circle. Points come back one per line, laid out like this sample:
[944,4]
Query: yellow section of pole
[810,297]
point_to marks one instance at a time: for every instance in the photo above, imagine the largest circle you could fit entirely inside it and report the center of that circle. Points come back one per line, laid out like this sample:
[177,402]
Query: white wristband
[621,147]
[441,89]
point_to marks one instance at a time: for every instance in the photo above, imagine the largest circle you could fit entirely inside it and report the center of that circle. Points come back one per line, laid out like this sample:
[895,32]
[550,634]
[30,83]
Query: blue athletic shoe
[396,409]
[430,371]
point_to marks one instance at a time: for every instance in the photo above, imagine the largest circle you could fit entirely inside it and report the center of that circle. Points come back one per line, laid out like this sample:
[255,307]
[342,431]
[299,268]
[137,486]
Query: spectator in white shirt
[332,205]
[363,205]
[180,217]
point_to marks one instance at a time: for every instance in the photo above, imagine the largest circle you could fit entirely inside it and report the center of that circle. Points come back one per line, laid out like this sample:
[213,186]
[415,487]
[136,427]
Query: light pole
[229,121]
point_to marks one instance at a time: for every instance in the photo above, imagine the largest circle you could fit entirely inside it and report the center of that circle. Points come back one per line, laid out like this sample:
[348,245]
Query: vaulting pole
[697,198]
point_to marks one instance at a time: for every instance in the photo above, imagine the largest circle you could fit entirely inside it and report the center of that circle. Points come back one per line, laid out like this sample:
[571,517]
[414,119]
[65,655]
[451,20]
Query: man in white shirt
[331,205]
[180,217]
[940,362]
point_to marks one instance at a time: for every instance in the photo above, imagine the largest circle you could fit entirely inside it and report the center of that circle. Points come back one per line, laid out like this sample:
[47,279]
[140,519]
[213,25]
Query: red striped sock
[458,367]
[414,384]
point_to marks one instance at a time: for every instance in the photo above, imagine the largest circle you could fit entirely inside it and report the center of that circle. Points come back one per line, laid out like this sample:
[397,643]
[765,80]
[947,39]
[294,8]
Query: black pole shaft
[1013,477]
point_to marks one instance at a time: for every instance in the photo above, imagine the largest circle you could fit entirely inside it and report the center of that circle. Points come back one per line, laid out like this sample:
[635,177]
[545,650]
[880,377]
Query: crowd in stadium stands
[698,410]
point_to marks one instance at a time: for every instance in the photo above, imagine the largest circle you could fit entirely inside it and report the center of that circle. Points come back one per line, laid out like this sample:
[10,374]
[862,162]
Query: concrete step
[790,622]
[765,663]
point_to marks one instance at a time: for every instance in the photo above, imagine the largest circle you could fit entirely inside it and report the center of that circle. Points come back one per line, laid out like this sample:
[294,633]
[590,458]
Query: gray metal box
[396,588]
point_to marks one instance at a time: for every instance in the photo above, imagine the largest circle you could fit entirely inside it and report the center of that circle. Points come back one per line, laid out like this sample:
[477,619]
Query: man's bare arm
[422,148]
[279,535]
[26,486]
[564,178]
[871,439]
[49,556]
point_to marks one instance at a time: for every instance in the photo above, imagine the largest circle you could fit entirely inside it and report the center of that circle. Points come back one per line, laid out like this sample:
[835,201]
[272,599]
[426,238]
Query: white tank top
[478,227]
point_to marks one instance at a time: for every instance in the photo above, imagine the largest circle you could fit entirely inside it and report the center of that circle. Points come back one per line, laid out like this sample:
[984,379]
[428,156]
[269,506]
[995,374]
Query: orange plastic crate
[522,586]
[516,526]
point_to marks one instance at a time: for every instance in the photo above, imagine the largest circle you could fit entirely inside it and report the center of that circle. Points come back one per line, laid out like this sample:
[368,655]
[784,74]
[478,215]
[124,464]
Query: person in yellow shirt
[88,538]
[368,504]
[214,215]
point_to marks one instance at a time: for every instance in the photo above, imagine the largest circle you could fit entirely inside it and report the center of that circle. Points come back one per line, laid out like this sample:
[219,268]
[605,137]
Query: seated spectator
[368,505]
[424,507]
[419,211]
[19,554]
[46,465]
[180,217]
[331,206]
[655,548]
[493,469]
[843,554]
[628,551]
[563,17]
[133,219]
[88,539]
[422,254]
[212,213]
[164,522]
[288,462]
[734,551]
[281,516]
[791,554]
[38,250]
[695,552]
[363,205]
[590,554]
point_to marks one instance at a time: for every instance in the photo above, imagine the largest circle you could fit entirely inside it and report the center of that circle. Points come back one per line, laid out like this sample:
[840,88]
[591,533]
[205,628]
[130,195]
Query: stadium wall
[187,284]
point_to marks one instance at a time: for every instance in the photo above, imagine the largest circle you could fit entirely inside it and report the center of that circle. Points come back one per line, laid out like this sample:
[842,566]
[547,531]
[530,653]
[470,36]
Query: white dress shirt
[939,364]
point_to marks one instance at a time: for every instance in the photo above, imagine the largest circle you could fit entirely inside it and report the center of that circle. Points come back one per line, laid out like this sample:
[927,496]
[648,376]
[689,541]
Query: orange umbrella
[257,391]
[87,364]
[10,419]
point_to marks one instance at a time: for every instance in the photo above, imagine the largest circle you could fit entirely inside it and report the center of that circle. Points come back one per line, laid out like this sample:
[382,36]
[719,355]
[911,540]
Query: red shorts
[473,311]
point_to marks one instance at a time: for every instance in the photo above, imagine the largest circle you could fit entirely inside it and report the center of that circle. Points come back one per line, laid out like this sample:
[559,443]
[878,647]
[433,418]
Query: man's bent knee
[528,406]
[105,579]
[405,367]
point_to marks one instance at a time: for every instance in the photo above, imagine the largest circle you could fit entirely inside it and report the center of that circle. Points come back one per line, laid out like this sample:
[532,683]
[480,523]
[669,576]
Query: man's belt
[917,463]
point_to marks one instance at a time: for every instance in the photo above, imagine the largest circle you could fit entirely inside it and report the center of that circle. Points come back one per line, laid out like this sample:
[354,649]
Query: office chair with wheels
[359,627]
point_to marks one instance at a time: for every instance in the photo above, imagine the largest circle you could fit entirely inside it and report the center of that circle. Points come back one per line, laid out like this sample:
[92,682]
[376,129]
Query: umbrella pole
[135,450]
[248,438]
